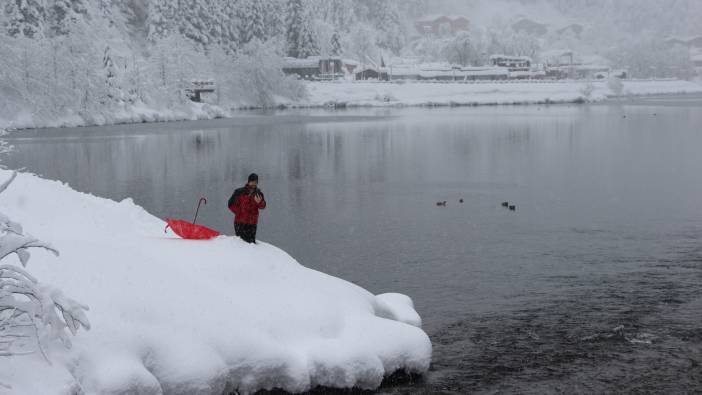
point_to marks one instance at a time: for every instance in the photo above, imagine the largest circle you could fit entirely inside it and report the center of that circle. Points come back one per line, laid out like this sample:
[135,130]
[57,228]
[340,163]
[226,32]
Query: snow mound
[192,317]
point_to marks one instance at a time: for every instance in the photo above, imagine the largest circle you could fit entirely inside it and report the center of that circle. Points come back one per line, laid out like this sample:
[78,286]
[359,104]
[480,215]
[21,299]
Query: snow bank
[359,94]
[136,113]
[363,94]
[192,317]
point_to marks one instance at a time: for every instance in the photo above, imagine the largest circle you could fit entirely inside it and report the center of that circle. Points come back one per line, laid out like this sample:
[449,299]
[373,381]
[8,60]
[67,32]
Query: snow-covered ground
[363,94]
[196,317]
[510,92]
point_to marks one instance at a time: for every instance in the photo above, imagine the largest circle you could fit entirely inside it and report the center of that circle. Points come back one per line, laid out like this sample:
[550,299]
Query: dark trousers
[246,232]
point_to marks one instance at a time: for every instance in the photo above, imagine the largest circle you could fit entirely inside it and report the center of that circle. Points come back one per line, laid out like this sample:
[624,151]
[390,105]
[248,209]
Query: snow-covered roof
[521,73]
[510,57]
[309,62]
[688,40]
[313,61]
[432,71]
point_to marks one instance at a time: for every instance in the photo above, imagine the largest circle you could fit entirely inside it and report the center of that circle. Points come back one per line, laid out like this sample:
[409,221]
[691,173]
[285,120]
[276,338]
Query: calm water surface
[594,284]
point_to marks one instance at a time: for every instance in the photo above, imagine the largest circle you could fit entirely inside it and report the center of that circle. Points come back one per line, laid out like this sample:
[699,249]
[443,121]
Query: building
[320,68]
[372,73]
[445,72]
[566,64]
[441,24]
[198,89]
[513,63]
[694,48]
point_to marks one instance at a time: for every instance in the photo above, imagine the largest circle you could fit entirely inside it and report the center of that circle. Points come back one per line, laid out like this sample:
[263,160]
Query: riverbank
[374,94]
[177,316]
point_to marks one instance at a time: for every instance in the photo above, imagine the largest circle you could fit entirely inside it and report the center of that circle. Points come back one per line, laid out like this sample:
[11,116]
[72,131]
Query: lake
[593,283]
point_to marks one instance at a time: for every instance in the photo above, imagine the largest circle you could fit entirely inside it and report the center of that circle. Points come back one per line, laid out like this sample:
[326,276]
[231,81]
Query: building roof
[309,62]
[510,57]
[313,61]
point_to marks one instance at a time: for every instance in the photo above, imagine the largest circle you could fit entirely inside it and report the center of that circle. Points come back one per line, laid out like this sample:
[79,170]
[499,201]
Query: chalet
[446,72]
[372,73]
[513,63]
[440,24]
[694,48]
[319,68]
[199,87]
[564,64]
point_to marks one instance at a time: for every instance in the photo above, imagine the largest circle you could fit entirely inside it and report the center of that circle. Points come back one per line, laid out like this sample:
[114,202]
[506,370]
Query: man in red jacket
[245,203]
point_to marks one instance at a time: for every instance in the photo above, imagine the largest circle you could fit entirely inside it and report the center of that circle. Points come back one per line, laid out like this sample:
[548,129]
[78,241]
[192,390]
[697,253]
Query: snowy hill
[188,317]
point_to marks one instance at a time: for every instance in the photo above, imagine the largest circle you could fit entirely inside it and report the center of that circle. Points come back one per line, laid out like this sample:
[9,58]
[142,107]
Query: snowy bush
[32,314]
[615,85]
[587,90]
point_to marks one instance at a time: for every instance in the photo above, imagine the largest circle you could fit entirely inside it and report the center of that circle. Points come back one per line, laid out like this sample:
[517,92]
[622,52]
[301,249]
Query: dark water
[594,283]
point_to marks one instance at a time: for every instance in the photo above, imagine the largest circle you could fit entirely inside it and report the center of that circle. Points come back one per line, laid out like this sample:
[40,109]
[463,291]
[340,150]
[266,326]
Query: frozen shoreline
[380,94]
[193,317]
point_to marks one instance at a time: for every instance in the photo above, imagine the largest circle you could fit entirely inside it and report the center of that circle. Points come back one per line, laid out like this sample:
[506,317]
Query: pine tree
[252,17]
[110,73]
[274,20]
[388,22]
[335,45]
[161,19]
[300,34]
[230,23]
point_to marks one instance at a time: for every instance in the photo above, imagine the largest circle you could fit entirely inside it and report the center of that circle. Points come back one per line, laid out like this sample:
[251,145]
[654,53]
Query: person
[245,203]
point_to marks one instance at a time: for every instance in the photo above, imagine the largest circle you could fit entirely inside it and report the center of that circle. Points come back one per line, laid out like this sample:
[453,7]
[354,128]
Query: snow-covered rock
[197,317]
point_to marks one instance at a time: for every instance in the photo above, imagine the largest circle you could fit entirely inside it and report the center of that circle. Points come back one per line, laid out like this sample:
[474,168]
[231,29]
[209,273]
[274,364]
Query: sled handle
[199,202]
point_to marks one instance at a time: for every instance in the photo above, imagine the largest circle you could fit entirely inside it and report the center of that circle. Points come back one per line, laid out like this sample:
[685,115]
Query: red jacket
[244,207]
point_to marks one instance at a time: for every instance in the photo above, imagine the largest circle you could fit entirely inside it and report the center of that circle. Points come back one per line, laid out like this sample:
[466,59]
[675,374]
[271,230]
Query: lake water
[593,284]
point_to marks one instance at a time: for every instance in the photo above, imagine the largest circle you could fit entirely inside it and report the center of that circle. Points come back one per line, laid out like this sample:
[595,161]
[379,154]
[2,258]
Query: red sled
[190,230]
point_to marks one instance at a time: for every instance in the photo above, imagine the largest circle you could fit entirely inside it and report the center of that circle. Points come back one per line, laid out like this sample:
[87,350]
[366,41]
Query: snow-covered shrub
[587,90]
[615,85]
[32,314]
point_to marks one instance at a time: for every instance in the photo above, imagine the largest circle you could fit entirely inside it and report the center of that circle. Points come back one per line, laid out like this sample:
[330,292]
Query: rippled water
[593,284]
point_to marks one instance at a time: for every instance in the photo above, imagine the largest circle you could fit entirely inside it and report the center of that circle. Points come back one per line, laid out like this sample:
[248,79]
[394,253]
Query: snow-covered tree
[462,50]
[161,19]
[336,49]
[32,315]
[388,22]
[252,19]
[25,17]
[301,41]
[256,76]
[63,14]
[361,42]
[112,90]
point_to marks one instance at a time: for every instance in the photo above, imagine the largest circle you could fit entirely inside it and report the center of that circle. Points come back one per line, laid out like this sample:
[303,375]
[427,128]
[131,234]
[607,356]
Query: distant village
[554,64]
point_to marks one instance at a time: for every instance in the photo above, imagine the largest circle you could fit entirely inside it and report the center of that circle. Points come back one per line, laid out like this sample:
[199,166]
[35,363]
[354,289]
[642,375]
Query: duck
[512,208]
[443,203]
[460,200]
[505,204]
